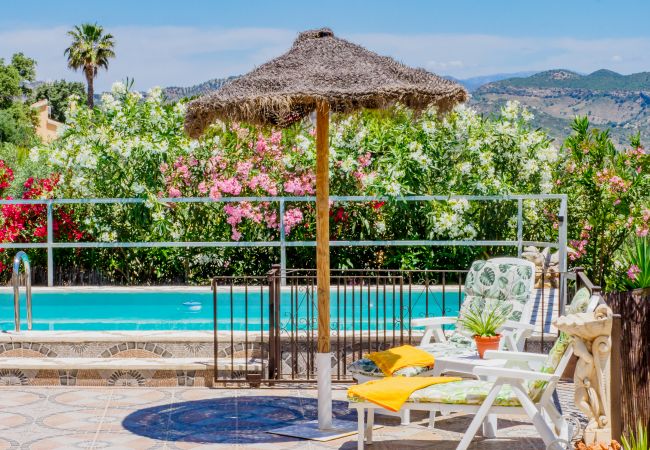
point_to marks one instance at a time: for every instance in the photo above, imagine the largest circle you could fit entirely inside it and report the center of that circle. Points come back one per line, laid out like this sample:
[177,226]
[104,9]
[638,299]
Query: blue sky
[185,42]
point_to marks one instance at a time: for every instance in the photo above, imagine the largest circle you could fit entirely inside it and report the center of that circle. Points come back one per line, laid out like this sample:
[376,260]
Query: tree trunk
[90,99]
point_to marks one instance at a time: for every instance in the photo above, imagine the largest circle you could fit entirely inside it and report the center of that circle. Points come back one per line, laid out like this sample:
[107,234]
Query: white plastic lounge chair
[525,386]
[498,279]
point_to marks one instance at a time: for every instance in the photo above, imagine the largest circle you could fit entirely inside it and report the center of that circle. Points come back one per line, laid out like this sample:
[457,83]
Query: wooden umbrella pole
[323,226]
[323,357]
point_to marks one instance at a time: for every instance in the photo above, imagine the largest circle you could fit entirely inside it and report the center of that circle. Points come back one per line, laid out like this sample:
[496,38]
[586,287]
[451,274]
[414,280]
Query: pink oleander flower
[164,167]
[303,185]
[261,145]
[203,187]
[271,219]
[292,217]
[642,231]
[276,137]
[633,272]
[215,193]
[264,182]
[229,186]
[236,235]
[234,213]
[243,169]
[174,192]
[364,160]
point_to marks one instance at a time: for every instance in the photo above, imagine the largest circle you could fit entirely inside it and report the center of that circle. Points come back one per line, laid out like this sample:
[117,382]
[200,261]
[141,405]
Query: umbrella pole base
[310,430]
[323,429]
[324,379]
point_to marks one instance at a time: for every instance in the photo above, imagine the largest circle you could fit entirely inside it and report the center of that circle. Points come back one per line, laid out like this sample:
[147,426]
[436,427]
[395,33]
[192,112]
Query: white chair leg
[490,426]
[432,419]
[370,423]
[554,415]
[536,416]
[481,414]
[360,429]
[405,416]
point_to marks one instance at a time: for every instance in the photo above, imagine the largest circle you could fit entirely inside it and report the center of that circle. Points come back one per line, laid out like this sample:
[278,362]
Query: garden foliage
[134,146]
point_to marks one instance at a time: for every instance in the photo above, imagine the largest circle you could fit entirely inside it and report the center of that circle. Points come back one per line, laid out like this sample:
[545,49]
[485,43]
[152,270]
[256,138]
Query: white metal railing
[282,243]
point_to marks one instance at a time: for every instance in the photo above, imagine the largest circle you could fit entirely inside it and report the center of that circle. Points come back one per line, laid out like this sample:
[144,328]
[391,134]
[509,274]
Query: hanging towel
[394,359]
[392,392]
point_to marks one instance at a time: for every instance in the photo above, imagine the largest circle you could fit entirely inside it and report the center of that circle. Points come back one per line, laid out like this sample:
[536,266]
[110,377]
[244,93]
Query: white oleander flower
[511,109]
[118,88]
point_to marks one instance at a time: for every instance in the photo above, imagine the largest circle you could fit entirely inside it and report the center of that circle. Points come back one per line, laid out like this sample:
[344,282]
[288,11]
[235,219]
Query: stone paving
[179,418]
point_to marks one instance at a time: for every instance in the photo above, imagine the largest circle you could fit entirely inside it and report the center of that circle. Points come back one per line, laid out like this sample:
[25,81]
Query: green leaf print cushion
[489,282]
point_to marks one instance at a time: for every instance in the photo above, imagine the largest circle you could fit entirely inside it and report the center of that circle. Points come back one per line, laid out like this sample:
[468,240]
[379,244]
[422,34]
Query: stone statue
[592,345]
[545,262]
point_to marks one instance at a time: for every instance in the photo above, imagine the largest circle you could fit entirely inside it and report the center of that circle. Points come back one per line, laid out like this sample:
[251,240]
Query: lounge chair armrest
[512,325]
[516,374]
[515,356]
[433,321]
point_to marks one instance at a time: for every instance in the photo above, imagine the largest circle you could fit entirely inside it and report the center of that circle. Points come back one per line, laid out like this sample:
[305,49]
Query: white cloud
[187,55]
[162,56]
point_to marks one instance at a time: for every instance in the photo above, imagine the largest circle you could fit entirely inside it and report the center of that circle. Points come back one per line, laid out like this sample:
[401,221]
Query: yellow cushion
[397,358]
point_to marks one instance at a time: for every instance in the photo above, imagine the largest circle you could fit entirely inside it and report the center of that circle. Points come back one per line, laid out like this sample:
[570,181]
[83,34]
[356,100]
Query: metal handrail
[15,279]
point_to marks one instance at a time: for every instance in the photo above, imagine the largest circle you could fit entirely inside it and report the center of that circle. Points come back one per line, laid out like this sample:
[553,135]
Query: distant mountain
[619,103]
[174,93]
[475,82]
[600,80]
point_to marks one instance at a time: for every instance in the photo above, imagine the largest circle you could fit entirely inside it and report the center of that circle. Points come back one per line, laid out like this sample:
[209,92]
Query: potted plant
[484,322]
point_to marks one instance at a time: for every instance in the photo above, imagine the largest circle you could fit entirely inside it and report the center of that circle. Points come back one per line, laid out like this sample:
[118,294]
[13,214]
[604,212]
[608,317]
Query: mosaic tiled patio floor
[177,418]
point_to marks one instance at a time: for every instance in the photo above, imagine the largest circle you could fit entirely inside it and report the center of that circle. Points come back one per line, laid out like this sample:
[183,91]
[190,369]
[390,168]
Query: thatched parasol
[321,72]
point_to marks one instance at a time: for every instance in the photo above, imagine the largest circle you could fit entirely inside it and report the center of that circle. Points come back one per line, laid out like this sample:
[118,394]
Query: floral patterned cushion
[579,304]
[465,392]
[489,283]
[366,367]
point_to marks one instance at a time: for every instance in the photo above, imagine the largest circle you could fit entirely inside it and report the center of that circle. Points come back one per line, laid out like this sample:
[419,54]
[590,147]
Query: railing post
[274,322]
[50,250]
[271,322]
[562,250]
[520,227]
[283,246]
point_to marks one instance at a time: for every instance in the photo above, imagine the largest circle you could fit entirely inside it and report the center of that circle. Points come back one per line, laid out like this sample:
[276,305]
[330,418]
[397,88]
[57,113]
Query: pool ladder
[15,281]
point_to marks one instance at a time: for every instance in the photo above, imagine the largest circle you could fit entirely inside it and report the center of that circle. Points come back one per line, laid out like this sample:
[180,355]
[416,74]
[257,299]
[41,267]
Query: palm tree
[90,50]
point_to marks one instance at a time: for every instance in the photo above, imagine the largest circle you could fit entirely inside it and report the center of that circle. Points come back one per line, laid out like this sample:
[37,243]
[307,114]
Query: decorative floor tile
[192,418]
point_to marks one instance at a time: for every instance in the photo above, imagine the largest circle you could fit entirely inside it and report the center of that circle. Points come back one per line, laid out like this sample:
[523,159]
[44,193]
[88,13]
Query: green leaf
[487,277]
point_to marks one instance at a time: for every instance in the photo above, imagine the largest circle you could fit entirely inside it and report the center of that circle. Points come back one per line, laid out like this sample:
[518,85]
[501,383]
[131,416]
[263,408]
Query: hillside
[174,93]
[620,103]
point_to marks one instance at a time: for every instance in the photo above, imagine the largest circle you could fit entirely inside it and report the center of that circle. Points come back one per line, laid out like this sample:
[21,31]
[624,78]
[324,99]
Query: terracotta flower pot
[486,343]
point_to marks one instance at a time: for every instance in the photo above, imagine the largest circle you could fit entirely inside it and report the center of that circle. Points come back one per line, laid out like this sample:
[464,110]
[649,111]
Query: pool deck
[177,418]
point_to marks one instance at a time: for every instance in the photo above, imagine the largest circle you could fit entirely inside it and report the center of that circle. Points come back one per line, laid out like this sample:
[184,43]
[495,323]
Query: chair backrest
[501,280]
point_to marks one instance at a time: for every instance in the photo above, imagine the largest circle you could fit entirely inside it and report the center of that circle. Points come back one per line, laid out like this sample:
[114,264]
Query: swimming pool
[191,309]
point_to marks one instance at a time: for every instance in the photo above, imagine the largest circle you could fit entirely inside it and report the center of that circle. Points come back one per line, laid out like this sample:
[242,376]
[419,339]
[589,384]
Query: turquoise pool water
[192,310]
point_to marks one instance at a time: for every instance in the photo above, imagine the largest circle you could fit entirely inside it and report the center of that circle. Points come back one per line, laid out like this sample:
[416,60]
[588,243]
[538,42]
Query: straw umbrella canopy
[323,73]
